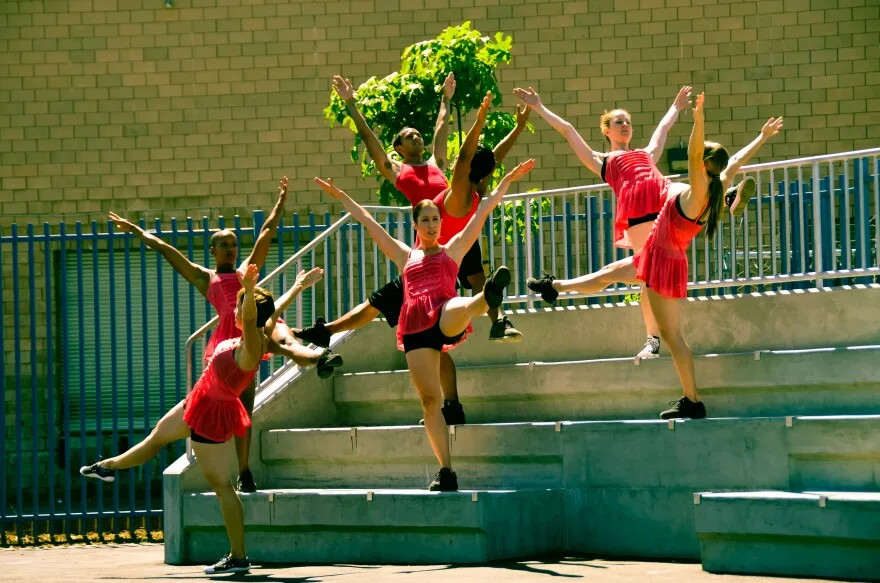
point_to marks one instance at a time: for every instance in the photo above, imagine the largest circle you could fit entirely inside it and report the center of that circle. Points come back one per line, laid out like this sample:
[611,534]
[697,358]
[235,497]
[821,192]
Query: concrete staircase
[564,452]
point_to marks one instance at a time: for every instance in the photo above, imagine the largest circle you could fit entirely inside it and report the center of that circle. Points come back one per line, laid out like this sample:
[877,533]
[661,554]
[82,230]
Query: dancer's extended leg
[168,430]
[214,461]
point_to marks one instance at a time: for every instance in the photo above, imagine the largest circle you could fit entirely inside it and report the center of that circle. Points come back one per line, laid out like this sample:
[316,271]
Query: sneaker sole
[507,339]
[96,476]
[232,570]
[745,193]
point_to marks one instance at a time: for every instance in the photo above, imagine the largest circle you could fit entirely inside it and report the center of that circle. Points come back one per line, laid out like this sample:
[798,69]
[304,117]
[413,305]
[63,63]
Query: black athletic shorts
[430,338]
[471,264]
[389,300]
[201,438]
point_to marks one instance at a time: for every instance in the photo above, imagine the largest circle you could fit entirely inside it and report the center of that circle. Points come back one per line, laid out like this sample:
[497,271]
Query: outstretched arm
[458,201]
[694,200]
[304,280]
[461,243]
[194,274]
[388,168]
[589,158]
[504,146]
[441,128]
[770,129]
[658,140]
[250,352]
[395,250]
[264,239]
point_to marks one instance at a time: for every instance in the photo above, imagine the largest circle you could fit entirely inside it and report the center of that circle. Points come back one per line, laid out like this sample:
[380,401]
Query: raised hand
[521,170]
[282,191]
[306,279]
[522,115]
[449,86]
[528,96]
[124,225]
[484,107]
[772,127]
[698,107]
[343,87]
[249,279]
[330,188]
[683,99]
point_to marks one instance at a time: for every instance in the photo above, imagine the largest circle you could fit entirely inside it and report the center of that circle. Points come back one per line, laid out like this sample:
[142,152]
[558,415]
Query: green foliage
[411,97]
[515,214]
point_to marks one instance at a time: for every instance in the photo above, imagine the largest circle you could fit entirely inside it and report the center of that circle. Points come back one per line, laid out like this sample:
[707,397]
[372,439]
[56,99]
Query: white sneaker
[651,349]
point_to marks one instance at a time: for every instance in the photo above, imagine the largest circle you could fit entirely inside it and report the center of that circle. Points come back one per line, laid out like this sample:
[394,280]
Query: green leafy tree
[411,97]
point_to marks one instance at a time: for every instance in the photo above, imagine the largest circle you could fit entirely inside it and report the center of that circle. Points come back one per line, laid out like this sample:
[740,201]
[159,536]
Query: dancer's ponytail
[715,159]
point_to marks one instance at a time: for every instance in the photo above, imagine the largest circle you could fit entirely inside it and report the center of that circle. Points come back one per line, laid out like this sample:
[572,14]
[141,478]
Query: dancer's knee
[430,401]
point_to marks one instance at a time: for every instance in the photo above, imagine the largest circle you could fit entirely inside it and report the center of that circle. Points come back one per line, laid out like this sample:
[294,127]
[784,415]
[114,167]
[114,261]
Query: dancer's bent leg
[424,368]
[243,444]
[168,430]
[638,236]
[214,462]
[448,381]
[622,271]
[354,319]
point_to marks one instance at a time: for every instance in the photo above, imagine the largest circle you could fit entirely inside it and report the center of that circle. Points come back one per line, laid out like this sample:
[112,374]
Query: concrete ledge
[811,534]
[826,381]
[383,526]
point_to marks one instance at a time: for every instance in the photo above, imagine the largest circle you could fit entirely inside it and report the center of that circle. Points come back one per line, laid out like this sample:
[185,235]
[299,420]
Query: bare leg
[448,381]
[638,236]
[301,355]
[458,312]
[243,444]
[424,368]
[477,281]
[354,319]
[668,313]
[214,461]
[622,271]
[169,429]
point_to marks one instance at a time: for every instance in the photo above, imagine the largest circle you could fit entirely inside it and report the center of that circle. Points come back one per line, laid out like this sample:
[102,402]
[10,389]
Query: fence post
[817,226]
[527,256]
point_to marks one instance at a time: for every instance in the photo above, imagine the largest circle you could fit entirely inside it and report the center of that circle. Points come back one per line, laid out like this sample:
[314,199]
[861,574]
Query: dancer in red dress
[220,286]
[433,318]
[212,413]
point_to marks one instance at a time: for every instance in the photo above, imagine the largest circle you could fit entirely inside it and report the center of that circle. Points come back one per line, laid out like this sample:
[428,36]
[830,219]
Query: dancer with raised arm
[213,412]
[220,286]
[434,319]
[633,176]
[662,267]
[475,166]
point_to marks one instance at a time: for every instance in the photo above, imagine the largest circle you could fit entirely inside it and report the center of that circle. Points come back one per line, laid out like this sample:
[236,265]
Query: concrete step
[810,534]
[826,381]
[736,323]
[382,526]
[628,485]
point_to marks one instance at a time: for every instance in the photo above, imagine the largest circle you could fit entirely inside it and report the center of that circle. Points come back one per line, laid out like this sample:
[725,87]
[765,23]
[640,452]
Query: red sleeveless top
[213,409]
[452,226]
[222,293]
[639,186]
[428,283]
[420,182]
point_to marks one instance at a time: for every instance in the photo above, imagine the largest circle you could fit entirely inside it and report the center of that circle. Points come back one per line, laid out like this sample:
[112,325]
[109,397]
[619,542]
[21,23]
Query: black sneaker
[544,286]
[453,413]
[444,481]
[738,197]
[684,408]
[328,361]
[228,564]
[503,331]
[246,483]
[318,334]
[493,291]
[651,349]
[96,471]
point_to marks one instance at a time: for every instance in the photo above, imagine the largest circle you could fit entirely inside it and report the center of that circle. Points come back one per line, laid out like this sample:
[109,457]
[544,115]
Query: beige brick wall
[199,109]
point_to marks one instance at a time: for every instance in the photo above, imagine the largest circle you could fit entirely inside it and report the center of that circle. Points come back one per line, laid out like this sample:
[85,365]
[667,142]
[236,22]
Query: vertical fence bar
[817,225]
[145,339]
[759,224]
[175,293]
[502,226]
[96,306]
[80,319]
[577,234]
[35,397]
[160,331]
[338,283]
[801,220]
[876,211]
[773,227]
[129,360]
[50,378]
[527,256]
[786,208]
[190,254]
[832,203]
[65,371]
[351,300]
[363,263]
[114,364]
[517,245]
[16,323]
[846,219]
[3,498]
